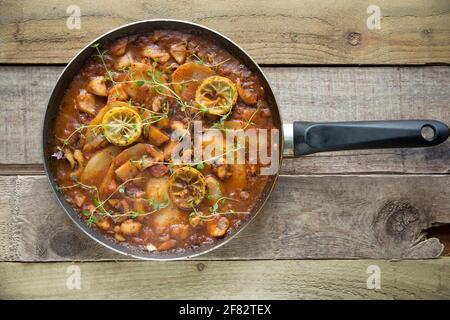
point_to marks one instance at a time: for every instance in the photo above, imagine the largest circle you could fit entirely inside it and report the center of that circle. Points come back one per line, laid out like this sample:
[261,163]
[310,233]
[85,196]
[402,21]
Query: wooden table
[343,208]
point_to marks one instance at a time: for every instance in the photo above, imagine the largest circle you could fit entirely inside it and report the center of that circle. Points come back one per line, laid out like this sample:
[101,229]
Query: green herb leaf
[200,166]
[134,214]
[160,205]
[91,220]
[203,108]
[140,83]
[86,213]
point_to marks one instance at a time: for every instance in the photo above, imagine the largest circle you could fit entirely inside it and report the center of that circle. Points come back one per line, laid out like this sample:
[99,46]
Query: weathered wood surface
[294,32]
[377,216]
[310,94]
[319,210]
[241,280]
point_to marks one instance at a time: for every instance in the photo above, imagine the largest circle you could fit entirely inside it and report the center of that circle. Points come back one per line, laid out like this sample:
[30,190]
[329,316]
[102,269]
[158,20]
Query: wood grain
[307,217]
[303,93]
[296,32]
[242,280]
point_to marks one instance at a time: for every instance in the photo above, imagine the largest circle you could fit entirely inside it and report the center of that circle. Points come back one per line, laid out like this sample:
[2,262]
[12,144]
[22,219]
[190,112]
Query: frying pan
[295,139]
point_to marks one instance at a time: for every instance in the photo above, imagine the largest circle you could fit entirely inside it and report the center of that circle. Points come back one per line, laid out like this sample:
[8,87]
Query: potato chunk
[178,52]
[156,136]
[167,245]
[238,179]
[213,188]
[158,170]
[119,47]
[124,61]
[117,93]
[218,227]
[136,153]
[98,166]
[103,224]
[126,171]
[168,149]
[97,86]
[168,216]
[188,77]
[222,171]
[130,227]
[157,189]
[247,91]
[86,102]
[156,53]
[179,231]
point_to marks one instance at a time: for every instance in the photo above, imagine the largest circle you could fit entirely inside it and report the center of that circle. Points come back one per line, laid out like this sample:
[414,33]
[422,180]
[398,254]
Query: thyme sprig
[201,163]
[214,210]
[100,208]
[109,75]
[201,61]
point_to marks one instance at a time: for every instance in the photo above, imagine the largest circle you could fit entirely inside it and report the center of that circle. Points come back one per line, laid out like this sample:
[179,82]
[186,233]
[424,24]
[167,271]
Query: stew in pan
[121,121]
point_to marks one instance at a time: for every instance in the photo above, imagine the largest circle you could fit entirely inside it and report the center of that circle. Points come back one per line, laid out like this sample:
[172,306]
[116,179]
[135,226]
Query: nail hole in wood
[200,266]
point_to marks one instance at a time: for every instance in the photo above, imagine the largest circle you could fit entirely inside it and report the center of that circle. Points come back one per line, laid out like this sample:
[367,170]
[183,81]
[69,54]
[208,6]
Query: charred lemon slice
[217,94]
[122,125]
[187,187]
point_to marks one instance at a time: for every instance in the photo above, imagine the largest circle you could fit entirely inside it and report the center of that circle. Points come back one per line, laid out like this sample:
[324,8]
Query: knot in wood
[427,32]
[401,216]
[399,229]
[200,266]
[67,244]
[354,38]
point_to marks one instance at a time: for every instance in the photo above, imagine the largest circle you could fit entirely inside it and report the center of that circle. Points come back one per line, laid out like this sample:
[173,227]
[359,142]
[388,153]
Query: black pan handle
[312,137]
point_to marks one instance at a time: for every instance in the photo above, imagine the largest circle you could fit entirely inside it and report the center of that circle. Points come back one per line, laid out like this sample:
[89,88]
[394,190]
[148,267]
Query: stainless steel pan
[295,139]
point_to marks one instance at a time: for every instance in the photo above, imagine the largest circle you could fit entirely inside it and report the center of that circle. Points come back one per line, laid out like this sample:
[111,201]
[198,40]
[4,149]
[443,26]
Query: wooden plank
[227,280]
[318,217]
[296,32]
[311,94]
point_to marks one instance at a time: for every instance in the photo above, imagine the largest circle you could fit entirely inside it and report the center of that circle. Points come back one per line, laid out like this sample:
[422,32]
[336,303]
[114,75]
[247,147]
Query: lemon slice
[217,94]
[122,125]
[187,187]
